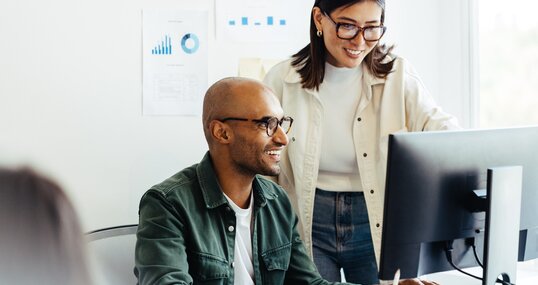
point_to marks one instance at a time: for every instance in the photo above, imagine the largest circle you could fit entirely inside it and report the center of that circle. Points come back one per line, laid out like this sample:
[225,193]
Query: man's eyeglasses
[347,31]
[270,123]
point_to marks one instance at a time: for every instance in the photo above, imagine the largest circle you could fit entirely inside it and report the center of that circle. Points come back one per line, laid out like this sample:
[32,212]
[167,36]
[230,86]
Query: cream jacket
[399,103]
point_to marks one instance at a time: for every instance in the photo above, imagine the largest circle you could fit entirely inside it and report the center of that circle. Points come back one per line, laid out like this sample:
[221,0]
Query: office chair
[111,252]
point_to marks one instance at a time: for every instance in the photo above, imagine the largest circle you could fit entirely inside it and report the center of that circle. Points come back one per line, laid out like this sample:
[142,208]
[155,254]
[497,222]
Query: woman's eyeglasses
[347,31]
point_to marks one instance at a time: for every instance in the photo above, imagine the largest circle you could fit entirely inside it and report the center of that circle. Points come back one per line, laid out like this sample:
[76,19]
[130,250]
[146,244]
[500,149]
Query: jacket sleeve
[160,256]
[423,112]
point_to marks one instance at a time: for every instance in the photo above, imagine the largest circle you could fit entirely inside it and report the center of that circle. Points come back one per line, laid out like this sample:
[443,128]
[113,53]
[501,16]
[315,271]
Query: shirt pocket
[209,269]
[277,261]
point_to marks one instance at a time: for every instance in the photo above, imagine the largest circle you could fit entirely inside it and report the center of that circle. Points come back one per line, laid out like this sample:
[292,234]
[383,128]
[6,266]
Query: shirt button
[372,191]
[233,264]
[359,119]
[231,228]
[377,225]
[365,154]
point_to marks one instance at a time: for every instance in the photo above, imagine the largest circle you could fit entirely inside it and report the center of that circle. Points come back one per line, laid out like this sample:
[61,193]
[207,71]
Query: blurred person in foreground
[41,240]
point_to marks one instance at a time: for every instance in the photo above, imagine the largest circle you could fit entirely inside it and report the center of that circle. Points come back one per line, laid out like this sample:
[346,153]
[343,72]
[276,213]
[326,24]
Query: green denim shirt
[186,233]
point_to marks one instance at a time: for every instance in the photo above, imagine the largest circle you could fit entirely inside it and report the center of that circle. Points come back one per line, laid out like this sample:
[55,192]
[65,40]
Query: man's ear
[220,132]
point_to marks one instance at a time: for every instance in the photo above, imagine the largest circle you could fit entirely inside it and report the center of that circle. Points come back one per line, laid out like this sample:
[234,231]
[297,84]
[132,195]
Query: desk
[527,274]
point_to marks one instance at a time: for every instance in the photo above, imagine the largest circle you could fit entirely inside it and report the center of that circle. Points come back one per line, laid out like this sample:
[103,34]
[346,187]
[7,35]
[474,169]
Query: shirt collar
[212,193]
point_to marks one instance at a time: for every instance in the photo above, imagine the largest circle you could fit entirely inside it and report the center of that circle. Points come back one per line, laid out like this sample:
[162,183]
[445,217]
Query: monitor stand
[502,224]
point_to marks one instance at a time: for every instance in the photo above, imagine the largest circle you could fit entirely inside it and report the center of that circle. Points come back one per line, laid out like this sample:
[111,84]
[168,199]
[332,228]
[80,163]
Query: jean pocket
[209,269]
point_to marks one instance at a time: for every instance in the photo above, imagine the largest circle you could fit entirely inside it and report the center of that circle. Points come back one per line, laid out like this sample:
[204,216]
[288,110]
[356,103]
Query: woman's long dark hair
[310,60]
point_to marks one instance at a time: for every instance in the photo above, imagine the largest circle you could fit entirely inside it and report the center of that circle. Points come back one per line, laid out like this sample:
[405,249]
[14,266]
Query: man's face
[252,151]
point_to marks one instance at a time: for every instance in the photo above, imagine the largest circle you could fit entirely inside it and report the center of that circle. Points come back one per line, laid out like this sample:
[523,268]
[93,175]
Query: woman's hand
[416,281]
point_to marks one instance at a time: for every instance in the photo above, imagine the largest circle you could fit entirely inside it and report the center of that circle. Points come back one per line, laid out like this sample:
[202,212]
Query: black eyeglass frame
[265,121]
[359,29]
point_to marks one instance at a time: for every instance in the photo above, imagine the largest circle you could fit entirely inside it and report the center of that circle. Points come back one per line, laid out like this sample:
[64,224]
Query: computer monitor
[430,200]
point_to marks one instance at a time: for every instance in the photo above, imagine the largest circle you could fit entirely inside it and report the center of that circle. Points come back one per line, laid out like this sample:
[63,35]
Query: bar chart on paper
[174,61]
[255,27]
[164,47]
[188,42]
[257,21]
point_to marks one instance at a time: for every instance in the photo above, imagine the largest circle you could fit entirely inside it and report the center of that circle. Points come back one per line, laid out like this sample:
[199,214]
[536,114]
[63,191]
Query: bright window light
[508,62]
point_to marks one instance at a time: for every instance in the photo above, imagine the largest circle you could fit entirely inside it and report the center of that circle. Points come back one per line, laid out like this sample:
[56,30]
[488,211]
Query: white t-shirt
[340,93]
[243,268]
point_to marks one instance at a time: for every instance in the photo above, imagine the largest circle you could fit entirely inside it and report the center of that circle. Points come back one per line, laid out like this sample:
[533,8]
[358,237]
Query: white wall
[434,36]
[70,91]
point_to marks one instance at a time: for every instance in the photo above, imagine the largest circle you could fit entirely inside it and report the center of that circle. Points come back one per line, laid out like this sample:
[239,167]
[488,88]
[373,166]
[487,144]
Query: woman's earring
[319,33]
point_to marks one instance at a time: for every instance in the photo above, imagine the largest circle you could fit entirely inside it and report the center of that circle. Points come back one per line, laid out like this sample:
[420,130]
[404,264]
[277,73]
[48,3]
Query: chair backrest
[111,252]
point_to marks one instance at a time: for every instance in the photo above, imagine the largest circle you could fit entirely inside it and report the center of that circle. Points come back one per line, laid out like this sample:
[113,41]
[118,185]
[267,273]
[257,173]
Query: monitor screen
[430,200]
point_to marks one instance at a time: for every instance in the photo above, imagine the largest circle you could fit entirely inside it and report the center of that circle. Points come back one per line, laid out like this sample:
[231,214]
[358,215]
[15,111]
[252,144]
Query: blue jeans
[341,237]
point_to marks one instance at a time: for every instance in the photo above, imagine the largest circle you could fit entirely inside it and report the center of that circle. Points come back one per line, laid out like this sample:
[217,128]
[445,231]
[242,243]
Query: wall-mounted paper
[256,68]
[175,61]
[259,20]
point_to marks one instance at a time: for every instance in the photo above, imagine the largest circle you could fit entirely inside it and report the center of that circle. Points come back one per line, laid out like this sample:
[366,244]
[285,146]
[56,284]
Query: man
[218,222]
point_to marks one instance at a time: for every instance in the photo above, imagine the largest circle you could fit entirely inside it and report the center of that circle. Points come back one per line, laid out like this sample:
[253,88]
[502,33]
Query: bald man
[218,221]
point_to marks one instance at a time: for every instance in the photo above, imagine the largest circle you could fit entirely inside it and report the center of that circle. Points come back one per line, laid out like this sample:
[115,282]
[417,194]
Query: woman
[346,93]
[41,240]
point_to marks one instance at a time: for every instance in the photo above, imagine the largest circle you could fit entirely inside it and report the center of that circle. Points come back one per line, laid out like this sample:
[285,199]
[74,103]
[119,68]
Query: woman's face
[348,53]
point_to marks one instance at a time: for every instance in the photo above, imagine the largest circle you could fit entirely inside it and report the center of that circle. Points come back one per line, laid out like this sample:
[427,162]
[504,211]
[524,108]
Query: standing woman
[347,93]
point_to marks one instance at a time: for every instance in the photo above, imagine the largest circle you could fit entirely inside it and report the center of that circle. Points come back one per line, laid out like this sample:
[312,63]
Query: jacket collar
[212,193]
[369,78]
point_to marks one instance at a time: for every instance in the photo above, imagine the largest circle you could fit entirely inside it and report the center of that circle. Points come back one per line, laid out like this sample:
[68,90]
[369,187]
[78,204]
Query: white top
[339,95]
[243,269]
